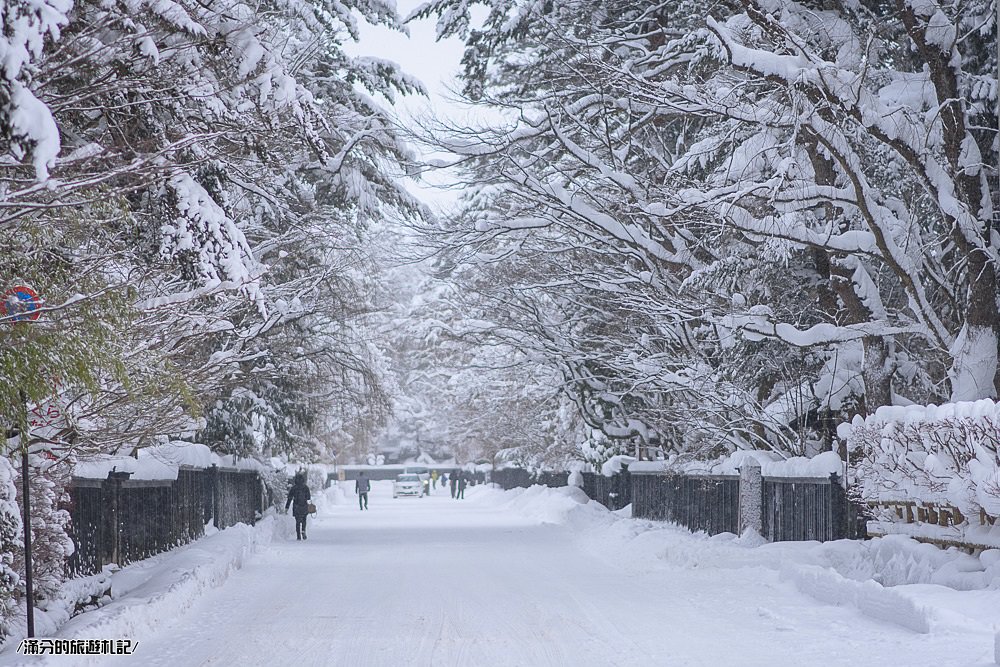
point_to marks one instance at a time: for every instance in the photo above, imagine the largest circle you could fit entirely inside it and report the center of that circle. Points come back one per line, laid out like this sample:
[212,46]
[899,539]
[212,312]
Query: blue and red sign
[21,304]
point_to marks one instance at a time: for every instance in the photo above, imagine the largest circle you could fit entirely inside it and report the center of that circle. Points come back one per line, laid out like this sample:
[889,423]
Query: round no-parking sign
[21,304]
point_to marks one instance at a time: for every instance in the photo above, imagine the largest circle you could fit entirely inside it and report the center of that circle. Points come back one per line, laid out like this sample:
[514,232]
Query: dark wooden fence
[809,509]
[613,492]
[519,478]
[708,503]
[121,520]
[792,509]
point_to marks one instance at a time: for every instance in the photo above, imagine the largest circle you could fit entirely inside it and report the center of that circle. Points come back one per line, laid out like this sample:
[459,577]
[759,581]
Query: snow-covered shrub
[10,544]
[51,545]
[315,479]
[276,483]
[946,454]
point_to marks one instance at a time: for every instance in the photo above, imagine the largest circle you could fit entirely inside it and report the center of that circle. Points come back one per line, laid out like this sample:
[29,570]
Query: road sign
[21,304]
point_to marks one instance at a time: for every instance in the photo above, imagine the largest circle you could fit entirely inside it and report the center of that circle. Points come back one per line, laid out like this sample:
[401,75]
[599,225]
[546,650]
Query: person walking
[434,479]
[462,482]
[361,487]
[298,498]
[454,484]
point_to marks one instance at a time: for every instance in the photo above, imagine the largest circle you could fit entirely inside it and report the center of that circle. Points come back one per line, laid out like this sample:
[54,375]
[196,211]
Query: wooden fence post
[751,497]
[213,480]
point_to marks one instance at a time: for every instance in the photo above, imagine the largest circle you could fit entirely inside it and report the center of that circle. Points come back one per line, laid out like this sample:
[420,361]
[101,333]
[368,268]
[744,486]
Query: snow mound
[869,597]
[894,579]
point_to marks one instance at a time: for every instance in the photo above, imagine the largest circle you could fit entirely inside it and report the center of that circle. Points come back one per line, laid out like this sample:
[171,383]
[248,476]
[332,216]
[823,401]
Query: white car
[408,485]
[421,471]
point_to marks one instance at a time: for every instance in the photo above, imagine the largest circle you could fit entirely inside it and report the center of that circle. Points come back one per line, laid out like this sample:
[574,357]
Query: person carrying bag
[298,499]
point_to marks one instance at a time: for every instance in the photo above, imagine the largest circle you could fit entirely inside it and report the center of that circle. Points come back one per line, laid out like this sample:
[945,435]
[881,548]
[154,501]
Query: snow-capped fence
[121,520]
[784,501]
[808,509]
[519,478]
[699,502]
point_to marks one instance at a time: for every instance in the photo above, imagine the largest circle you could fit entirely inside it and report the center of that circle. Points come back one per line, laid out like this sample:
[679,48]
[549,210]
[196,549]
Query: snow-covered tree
[734,229]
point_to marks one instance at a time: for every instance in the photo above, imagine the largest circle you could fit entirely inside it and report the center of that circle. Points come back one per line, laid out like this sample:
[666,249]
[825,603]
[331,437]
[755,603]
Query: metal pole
[26,498]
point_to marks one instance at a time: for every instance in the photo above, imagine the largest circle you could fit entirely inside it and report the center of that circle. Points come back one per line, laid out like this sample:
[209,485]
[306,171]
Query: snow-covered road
[434,581]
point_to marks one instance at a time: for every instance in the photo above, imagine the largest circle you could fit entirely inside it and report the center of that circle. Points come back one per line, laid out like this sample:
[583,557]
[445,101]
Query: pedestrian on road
[462,481]
[361,487]
[434,479]
[454,484]
[298,498]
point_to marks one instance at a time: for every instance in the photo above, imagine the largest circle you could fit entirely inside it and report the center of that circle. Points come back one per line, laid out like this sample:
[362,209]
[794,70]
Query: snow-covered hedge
[944,454]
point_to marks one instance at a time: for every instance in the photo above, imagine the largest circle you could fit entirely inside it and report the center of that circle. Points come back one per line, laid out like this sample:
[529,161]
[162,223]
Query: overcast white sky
[435,63]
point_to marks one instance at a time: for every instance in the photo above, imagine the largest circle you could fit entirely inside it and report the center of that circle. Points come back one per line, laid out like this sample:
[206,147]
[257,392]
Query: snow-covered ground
[541,577]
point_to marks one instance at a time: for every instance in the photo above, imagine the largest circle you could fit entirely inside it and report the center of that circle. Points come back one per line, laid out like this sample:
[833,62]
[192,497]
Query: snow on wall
[771,464]
[160,462]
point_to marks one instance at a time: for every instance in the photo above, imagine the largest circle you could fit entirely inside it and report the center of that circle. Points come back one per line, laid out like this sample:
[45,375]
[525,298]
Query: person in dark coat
[463,480]
[361,487]
[453,481]
[298,498]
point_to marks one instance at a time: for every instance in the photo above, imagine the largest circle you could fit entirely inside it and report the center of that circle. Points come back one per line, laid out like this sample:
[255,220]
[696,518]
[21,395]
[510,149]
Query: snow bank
[869,597]
[162,587]
[894,579]
[335,495]
[544,504]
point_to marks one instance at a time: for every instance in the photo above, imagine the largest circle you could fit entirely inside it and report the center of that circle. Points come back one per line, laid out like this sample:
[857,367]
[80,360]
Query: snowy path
[440,582]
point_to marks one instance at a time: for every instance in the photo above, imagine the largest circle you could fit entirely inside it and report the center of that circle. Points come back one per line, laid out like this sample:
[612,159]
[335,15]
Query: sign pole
[28,583]
[22,304]
[29,588]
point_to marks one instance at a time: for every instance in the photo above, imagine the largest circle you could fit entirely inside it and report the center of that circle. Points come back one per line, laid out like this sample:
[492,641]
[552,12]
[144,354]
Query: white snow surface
[543,577]
[771,464]
[159,462]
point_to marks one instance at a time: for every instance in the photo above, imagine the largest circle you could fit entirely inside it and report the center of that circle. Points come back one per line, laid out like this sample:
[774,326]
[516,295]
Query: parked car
[408,485]
[422,471]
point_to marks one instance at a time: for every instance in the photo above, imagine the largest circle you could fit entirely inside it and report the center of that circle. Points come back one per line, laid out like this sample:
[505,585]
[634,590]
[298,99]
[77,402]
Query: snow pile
[894,579]
[869,597]
[335,495]
[544,504]
[944,454]
[614,465]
